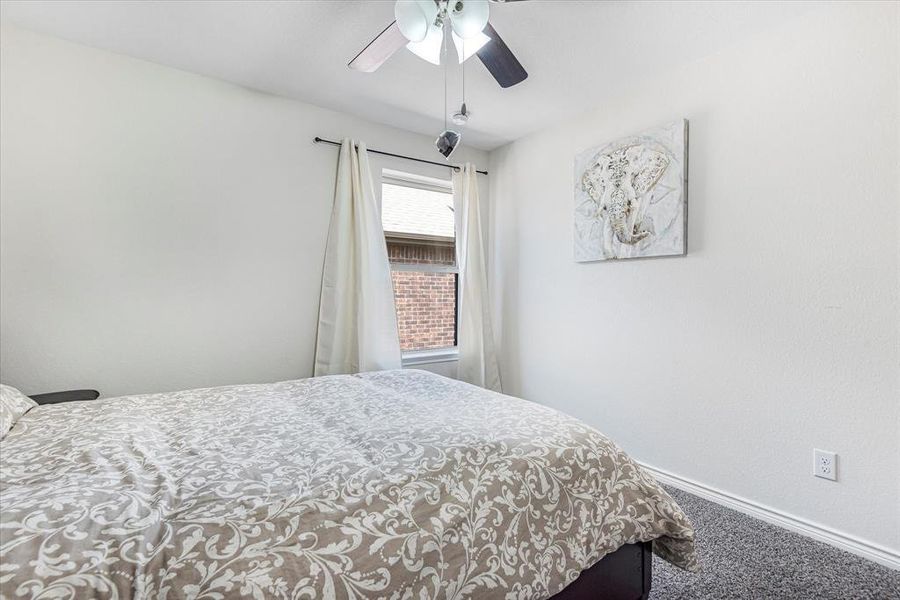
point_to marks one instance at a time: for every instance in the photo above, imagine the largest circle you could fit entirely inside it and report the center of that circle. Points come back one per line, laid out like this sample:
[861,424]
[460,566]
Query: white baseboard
[874,552]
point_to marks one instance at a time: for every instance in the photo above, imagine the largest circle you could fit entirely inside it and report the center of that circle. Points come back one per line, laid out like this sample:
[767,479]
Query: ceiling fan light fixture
[468,17]
[411,20]
[414,18]
[465,49]
[429,48]
[496,56]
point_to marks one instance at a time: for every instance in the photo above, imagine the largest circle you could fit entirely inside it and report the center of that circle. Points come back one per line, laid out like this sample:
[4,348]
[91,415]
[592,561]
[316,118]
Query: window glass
[419,231]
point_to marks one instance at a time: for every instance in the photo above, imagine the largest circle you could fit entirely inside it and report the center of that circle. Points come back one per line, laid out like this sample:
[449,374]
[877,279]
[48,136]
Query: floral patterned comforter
[397,484]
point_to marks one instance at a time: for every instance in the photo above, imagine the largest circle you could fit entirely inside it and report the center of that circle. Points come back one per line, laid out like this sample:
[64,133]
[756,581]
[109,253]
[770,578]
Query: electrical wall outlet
[825,464]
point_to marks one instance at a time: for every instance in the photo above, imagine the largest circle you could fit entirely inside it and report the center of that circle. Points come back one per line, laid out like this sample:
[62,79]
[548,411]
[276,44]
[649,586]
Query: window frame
[411,358]
[420,182]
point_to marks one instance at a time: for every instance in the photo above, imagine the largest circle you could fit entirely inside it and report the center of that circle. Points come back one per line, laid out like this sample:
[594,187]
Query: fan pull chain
[444,60]
[464,72]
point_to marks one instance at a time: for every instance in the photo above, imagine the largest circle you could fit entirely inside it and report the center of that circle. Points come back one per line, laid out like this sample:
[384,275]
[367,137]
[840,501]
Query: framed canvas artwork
[631,196]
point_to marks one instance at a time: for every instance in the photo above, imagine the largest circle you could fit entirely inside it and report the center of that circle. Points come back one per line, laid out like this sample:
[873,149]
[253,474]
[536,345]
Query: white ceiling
[572,50]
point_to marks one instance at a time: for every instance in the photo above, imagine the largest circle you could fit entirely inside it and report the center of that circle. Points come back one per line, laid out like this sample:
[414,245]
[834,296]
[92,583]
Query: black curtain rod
[319,140]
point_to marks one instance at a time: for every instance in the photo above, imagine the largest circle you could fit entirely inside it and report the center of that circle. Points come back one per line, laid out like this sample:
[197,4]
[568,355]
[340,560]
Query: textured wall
[779,332]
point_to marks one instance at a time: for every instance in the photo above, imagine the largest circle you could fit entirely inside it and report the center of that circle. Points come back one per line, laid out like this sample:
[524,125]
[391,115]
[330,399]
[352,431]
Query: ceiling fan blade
[500,61]
[379,50]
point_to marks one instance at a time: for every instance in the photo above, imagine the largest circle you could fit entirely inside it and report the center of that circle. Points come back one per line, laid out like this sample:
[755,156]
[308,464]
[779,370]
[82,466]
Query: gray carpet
[743,557]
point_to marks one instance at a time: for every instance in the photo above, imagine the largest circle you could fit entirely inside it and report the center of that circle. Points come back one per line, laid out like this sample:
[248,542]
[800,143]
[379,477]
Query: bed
[395,484]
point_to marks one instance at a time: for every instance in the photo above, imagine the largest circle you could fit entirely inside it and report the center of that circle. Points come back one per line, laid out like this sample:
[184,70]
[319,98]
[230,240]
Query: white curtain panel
[477,356]
[357,322]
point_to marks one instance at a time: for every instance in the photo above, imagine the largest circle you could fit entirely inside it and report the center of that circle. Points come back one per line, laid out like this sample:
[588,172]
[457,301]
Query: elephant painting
[629,200]
[619,182]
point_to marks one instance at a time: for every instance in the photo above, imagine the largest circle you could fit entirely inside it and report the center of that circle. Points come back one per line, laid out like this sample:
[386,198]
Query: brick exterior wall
[412,252]
[426,302]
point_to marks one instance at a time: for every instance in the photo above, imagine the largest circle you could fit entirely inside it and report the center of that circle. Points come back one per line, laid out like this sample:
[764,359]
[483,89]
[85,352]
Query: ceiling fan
[421,25]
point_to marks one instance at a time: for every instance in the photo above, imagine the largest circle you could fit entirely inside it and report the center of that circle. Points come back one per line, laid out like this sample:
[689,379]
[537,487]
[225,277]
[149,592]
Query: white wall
[161,230]
[779,332]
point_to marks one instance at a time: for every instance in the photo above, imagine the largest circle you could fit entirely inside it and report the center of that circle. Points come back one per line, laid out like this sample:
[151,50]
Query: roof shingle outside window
[416,213]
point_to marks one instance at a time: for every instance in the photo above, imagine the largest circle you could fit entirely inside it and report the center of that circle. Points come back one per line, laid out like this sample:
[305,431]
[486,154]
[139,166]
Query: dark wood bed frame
[623,575]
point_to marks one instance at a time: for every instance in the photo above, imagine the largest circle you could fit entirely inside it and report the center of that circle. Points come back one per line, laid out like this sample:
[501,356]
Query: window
[417,216]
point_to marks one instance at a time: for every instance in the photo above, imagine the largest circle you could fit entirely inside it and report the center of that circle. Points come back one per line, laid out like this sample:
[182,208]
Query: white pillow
[13,404]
